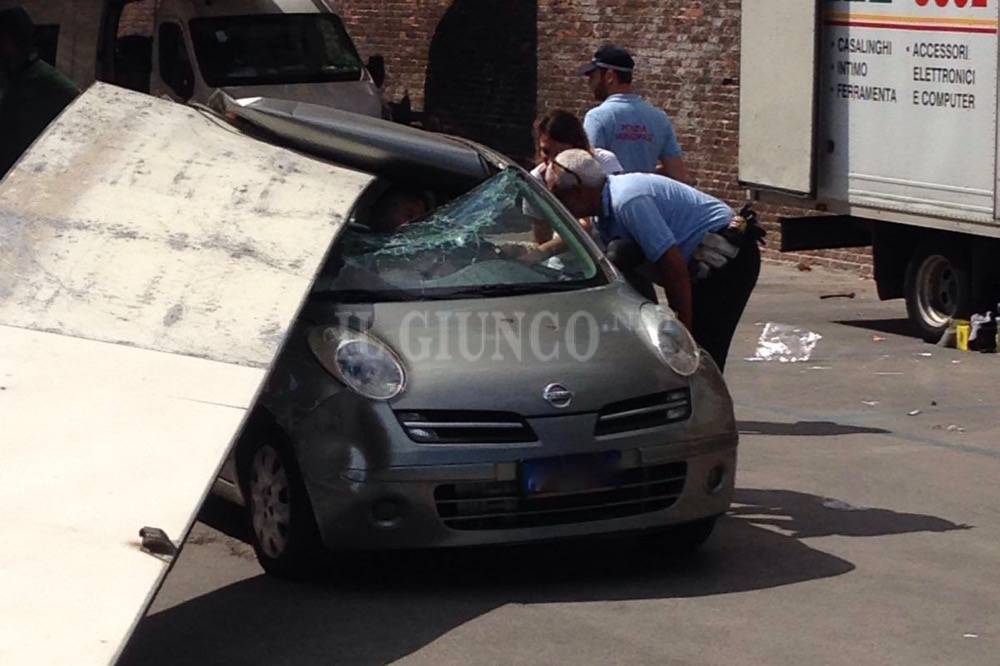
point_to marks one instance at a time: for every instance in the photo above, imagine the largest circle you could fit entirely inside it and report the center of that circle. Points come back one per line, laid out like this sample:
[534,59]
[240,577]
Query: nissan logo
[558,396]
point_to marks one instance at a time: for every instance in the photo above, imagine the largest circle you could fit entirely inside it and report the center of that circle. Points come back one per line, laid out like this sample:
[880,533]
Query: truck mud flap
[823,233]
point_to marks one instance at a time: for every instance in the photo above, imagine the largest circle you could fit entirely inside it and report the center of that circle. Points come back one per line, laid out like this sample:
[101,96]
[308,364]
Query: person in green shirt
[32,92]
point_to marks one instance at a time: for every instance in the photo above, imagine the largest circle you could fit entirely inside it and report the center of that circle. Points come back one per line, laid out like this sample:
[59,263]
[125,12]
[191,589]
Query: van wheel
[282,525]
[938,287]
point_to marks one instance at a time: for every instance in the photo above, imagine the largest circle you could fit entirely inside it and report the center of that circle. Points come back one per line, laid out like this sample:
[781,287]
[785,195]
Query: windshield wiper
[363,295]
[493,290]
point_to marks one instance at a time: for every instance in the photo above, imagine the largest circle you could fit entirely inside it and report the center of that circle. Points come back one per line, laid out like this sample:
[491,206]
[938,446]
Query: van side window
[175,65]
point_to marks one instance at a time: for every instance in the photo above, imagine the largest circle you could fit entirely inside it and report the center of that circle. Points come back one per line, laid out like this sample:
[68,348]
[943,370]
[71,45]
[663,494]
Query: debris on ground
[926,354]
[878,338]
[983,333]
[888,374]
[804,267]
[870,403]
[820,367]
[785,343]
[849,294]
[933,403]
[914,412]
[955,428]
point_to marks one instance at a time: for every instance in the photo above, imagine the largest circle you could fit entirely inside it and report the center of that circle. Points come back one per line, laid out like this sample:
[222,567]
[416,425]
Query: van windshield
[270,49]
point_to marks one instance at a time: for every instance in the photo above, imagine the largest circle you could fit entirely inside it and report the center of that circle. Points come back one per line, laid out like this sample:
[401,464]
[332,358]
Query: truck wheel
[282,525]
[938,287]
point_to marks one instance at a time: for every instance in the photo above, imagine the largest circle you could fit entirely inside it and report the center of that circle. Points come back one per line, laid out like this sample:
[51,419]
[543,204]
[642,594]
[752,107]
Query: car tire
[683,539]
[938,287]
[282,525]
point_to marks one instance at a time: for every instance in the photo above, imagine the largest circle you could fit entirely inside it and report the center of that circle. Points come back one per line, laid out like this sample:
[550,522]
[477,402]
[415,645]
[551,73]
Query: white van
[298,50]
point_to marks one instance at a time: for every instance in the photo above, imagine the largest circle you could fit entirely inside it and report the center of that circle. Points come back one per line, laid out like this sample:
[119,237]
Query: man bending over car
[680,231]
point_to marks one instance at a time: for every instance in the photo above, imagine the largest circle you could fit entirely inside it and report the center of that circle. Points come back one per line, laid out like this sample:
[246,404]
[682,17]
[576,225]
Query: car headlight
[360,361]
[671,339]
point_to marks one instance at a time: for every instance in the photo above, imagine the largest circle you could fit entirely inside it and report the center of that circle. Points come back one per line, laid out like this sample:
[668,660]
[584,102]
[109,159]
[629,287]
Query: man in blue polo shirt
[638,133]
[668,221]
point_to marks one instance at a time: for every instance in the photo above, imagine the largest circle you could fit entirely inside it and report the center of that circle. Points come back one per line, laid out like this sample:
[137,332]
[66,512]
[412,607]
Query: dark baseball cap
[609,56]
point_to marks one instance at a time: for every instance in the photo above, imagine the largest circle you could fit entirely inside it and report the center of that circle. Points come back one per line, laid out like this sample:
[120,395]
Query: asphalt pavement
[865,531]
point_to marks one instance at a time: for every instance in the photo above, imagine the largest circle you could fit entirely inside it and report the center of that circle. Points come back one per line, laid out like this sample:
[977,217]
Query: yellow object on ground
[962,330]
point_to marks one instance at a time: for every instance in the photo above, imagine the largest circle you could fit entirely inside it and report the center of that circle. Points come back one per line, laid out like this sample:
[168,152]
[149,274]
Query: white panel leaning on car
[151,261]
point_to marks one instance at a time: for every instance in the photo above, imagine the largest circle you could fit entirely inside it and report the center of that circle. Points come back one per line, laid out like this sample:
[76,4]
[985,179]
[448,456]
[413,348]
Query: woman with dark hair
[560,130]
[556,131]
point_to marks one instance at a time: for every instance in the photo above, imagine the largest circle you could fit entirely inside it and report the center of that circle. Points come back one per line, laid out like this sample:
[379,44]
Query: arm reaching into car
[675,280]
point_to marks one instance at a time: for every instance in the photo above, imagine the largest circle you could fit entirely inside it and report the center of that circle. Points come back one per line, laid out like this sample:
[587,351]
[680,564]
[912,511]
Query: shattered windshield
[271,49]
[480,244]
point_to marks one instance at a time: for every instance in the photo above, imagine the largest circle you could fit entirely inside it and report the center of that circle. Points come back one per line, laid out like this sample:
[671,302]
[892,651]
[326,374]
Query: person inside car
[396,208]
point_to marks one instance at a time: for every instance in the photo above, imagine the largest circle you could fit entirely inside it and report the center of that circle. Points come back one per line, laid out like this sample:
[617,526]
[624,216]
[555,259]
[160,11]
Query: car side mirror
[376,67]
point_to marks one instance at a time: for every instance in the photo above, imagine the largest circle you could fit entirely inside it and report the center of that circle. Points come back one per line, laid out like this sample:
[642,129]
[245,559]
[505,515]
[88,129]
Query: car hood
[500,354]
[360,97]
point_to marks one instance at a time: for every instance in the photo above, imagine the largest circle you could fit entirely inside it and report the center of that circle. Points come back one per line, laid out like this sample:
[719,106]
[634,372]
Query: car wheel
[938,287]
[683,539]
[282,525]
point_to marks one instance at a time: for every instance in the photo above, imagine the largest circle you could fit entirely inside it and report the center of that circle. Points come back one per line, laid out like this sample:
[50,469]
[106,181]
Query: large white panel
[152,260]
[777,94]
[138,221]
[99,441]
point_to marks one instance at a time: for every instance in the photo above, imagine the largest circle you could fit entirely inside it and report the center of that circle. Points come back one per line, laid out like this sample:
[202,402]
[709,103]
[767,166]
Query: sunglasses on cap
[579,180]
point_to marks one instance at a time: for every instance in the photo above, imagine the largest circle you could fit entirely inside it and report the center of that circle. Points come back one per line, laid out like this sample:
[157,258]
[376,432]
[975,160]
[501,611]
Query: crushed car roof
[368,144]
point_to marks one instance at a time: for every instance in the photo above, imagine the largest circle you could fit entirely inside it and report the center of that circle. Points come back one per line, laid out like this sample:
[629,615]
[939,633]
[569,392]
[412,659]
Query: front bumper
[395,508]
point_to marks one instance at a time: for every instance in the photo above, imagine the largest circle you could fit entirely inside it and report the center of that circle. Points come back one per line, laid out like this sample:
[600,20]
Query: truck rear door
[777,95]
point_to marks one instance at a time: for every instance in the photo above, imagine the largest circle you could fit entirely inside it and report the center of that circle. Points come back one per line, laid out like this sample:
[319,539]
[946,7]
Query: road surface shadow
[891,326]
[384,606]
[226,517]
[805,429]
[804,516]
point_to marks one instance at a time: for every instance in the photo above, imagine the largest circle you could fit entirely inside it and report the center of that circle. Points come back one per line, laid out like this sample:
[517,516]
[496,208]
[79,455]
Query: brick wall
[688,63]
[137,18]
[482,81]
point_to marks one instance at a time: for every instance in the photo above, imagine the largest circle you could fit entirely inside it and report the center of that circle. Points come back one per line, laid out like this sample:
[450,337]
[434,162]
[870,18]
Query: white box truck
[883,115]
[297,50]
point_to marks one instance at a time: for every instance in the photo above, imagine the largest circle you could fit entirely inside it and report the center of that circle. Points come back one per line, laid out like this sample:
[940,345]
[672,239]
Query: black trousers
[719,301]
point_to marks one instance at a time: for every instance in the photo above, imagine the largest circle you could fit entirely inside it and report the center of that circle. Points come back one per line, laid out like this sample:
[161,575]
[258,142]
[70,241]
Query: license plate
[569,474]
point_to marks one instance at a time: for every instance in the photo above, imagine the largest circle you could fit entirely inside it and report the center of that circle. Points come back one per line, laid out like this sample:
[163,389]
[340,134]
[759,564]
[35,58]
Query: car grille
[465,427]
[650,411]
[502,505]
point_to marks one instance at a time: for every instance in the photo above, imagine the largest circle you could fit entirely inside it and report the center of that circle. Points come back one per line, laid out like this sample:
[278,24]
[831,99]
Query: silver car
[448,384]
